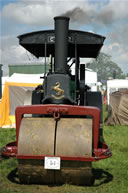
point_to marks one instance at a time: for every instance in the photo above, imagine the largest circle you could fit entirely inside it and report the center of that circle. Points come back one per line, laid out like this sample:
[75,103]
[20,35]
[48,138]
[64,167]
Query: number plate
[52,163]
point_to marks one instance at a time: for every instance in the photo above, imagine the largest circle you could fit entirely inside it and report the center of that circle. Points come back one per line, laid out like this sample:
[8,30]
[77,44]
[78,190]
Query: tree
[105,67]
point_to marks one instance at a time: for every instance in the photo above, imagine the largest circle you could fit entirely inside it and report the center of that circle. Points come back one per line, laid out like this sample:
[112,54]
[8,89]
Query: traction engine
[59,135]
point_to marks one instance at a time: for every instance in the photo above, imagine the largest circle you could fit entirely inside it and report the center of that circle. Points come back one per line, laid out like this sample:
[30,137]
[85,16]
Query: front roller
[32,171]
[65,138]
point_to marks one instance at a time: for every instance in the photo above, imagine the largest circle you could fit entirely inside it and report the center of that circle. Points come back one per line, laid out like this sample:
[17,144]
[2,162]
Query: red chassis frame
[104,152]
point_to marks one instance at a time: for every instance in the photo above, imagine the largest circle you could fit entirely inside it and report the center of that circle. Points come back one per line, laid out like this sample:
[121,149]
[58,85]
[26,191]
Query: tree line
[105,68]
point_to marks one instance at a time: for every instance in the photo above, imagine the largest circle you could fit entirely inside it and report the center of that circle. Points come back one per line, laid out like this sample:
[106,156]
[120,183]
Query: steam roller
[59,134]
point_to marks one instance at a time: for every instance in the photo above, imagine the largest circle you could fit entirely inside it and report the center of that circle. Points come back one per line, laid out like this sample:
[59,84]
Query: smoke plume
[91,16]
[77,15]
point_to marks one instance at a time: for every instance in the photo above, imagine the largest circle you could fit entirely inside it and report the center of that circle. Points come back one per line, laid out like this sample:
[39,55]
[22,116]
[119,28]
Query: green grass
[111,174]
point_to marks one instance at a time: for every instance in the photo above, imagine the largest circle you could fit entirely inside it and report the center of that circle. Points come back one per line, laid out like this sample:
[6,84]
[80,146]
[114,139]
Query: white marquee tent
[115,85]
[15,91]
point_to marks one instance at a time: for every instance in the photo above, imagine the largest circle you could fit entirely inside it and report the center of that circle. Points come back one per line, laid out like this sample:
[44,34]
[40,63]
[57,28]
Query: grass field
[111,174]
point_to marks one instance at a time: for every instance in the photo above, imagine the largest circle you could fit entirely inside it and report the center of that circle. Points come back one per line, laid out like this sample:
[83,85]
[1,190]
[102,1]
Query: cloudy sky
[105,17]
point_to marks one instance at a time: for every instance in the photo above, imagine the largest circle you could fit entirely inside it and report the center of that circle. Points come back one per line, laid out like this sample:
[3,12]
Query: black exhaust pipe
[61,44]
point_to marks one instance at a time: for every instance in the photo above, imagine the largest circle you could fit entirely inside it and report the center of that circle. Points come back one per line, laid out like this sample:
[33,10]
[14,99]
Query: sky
[104,17]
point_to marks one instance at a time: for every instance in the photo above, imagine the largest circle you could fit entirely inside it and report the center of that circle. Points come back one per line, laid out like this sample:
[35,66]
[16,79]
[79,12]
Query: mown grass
[111,174]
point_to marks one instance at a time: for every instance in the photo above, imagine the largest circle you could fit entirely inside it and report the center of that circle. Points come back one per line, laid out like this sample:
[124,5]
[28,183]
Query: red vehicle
[60,134]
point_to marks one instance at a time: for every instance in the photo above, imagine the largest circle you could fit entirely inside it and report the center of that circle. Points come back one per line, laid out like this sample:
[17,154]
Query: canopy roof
[88,44]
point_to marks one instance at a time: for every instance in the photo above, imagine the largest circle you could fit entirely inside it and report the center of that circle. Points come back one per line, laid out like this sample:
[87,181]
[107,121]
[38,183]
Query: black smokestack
[61,44]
